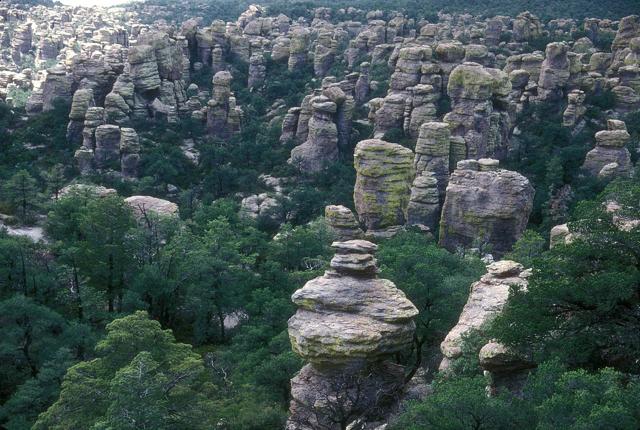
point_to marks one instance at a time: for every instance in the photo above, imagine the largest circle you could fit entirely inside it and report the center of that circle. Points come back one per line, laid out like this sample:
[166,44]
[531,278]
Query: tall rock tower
[348,325]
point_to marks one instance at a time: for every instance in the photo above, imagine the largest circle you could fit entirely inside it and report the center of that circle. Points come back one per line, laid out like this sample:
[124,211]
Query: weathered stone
[56,88]
[384,175]
[342,318]
[143,206]
[554,73]
[342,222]
[321,146]
[485,207]
[478,109]
[575,108]
[610,158]
[107,146]
[144,68]
[486,300]
[432,153]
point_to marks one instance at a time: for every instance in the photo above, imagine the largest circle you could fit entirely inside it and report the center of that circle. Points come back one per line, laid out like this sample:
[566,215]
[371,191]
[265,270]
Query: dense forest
[114,316]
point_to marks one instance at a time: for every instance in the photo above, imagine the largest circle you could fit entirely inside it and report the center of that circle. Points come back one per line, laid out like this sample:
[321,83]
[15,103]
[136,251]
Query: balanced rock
[610,158]
[479,109]
[321,146]
[348,326]
[342,222]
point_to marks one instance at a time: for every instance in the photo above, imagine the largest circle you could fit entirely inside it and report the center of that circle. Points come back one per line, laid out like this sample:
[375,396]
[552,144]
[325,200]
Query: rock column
[348,326]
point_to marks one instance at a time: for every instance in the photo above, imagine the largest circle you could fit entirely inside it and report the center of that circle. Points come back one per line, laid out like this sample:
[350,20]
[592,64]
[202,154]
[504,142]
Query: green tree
[530,246]
[30,336]
[55,180]
[141,378]
[436,281]
[462,404]
[582,300]
[21,193]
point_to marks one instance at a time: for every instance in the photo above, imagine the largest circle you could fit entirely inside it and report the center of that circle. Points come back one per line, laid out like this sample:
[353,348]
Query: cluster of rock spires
[348,326]
[110,59]
[478,204]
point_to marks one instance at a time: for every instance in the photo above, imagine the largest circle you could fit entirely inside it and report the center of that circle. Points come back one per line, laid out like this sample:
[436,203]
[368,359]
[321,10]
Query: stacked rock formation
[321,145]
[343,223]
[479,97]
[82,101]
[431,164]
[610,158]
[485,205]
[575,109]
[322,124]
[348,326]
[298,48]
[257,71]
[554,72]
[223,116]
[56,88]
[383,181]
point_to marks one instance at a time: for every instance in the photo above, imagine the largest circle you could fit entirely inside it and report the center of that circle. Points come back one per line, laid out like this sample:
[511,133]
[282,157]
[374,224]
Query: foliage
[141,378]
[436,281]
[582,300]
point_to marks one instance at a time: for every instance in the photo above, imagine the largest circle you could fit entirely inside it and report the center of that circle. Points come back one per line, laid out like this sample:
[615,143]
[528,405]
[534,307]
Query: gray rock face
[575,109]
[290,125]
[479,114]
[343,223]
[382,190]
[321,146]
[554,73]
[257,71]
[107,150]
[146,205]
[129,152]
[432,153]
[223,116]
[526,26]
[485,205]
[82,100]
[610,158]
[348,324]
[144,68]
[298,48]
[424,202]
[486,300]
[56,88]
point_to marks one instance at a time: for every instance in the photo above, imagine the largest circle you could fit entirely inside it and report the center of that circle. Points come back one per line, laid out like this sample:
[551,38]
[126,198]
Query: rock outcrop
[554,73]
[485,205]
[610,158]
[487,298]
[575,109]
[343,223]
[321,146]
[382,190]
[143,206]
[223,116]
[479,114]
[348,326]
